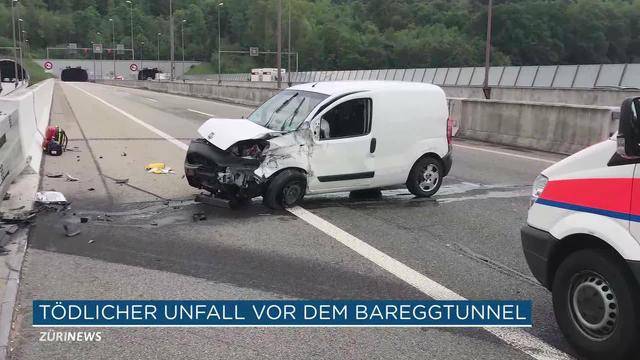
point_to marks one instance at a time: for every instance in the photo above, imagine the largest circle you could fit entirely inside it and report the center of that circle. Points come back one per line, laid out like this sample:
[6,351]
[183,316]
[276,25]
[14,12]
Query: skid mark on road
[518,338]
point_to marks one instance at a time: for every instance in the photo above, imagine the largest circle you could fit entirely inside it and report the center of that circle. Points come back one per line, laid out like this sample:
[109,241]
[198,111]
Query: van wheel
[425,177]
[595,301]
[285,190]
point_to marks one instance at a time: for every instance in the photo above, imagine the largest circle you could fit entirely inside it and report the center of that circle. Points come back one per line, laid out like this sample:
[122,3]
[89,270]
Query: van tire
[285,190]
[597,274]
[418,174]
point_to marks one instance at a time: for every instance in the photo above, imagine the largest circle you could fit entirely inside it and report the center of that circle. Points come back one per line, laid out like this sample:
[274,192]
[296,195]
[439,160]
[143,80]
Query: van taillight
[449,130]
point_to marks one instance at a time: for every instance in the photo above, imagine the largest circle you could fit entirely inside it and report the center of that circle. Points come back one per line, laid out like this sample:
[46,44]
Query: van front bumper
[538,246]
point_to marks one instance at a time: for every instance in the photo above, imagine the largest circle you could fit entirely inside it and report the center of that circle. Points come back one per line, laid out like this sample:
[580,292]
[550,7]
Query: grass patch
[203,68]
[36,72]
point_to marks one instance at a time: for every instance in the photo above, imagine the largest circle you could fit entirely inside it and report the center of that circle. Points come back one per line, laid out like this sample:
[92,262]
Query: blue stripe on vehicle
[590,210]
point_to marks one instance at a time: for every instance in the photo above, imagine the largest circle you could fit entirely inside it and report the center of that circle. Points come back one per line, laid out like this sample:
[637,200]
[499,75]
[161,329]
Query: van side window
[349,119]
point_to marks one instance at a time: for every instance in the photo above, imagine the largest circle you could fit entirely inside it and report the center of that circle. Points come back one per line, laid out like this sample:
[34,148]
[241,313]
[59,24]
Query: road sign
[97,48]
[133,67]
[48,65]
[254,51]
[73,46]
[120,48]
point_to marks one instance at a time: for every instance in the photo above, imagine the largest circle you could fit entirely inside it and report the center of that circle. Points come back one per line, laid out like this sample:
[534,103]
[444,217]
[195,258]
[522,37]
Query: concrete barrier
[231,93]
[24,116]
[560,128]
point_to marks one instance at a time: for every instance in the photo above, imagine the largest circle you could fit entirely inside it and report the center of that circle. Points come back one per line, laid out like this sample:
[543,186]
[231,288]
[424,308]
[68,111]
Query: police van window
[349,119]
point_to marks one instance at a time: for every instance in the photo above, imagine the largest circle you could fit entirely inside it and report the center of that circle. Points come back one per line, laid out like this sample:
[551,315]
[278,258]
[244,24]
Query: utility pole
[101,51]
[113,34]
[289,49]
[141,55]
[15,52]
[487,57]
[279,45]
[219,46]
[133,51]
[20,36]
[159,50]
[171,34]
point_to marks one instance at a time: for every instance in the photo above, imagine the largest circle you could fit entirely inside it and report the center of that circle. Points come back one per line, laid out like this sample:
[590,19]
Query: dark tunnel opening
[8,71]
[146,73]
[76,74]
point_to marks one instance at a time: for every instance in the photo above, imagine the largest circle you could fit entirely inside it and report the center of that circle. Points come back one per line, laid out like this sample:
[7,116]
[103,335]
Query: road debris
[51,198]
[6,196]
[71,178]
[71,226]
[11,229]
[158,169]
[54,175]
[123,154]
[91,241]
[84,220]
[199,217]
[91,189]
[121,181]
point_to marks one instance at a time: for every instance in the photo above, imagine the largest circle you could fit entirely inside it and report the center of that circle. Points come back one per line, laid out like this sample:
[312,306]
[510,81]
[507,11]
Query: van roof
[332,88]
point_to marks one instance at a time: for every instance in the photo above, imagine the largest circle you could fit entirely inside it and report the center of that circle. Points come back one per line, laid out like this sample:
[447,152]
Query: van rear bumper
[447,161]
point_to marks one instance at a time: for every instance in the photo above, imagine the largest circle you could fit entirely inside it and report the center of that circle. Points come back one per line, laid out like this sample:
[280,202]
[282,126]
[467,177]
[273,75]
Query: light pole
[279,45]
[219,46]
[133,51]
[487,57]
[113,36]
[289,48]
[99,35]
[172,42]
[141,55]
[159,34]
[15,52]
[182,42]
[20,34]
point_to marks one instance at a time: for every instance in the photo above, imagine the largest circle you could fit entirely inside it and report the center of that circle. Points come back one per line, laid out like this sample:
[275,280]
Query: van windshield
[287,110]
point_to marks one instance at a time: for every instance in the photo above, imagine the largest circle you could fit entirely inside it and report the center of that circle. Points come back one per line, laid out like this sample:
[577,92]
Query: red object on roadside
[50,134]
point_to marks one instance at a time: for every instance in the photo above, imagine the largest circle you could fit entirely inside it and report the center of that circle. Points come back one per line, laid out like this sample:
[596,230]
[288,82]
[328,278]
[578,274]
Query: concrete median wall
[24,116]
[561,128]
[243,95]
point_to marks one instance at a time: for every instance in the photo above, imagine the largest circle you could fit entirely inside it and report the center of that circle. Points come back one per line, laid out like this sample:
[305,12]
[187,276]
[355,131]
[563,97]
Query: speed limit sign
[133,67]
[48,65]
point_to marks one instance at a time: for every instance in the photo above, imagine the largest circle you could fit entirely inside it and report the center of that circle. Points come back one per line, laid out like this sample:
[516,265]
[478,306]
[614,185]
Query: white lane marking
[517,338]
[152,100]
[201,113]
[506,154]
[159,132]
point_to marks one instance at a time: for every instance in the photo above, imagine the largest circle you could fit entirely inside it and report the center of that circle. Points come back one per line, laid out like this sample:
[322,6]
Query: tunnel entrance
[147,73]
[76,74]
[8,71]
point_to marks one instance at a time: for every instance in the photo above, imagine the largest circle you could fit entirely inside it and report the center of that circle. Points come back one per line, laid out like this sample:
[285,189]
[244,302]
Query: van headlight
[538,187]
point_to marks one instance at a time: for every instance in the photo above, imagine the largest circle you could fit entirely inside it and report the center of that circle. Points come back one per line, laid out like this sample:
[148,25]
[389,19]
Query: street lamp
[279,45]
[487,57]
[113,34]
[172,42]
[219,46]
[15,52]
[133,51]
[159,34]
[141,54]
[182,42]
[20,34]
[99,35]
[289,49]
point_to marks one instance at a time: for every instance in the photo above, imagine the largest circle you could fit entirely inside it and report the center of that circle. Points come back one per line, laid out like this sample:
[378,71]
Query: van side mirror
[629,131]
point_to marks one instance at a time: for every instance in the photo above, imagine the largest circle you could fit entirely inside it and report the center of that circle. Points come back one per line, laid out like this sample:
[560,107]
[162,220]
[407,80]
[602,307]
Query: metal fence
[547,76]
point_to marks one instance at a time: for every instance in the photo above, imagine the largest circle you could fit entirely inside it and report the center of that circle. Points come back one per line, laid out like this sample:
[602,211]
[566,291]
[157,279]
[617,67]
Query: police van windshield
[287,110]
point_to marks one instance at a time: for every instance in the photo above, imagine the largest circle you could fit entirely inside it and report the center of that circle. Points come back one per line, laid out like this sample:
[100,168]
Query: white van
[327,137]
[582,242]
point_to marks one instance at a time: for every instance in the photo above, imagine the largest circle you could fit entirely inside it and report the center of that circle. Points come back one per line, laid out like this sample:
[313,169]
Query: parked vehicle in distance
[582,241]
[267,74]
[327,137]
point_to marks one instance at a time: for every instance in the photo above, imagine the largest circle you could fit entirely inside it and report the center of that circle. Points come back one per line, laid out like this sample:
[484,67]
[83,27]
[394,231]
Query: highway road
[141,242]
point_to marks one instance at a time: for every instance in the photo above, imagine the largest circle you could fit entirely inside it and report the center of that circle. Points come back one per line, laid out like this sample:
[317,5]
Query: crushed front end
[226,174]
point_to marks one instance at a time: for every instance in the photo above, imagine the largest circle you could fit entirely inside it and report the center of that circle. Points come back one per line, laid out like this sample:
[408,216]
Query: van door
[343,153]
[635,205]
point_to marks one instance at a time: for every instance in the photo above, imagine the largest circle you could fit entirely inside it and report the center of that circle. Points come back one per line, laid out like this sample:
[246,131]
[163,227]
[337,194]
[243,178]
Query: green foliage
[343,34]
[36,72]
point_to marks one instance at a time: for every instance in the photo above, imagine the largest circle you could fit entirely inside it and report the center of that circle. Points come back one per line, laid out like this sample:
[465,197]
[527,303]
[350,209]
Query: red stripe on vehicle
[605,194]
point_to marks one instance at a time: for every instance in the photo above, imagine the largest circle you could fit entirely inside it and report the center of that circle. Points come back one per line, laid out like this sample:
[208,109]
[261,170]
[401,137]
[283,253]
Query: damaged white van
[327,137]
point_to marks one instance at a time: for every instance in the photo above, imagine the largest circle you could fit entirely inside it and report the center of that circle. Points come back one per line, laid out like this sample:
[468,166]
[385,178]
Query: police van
[582,242]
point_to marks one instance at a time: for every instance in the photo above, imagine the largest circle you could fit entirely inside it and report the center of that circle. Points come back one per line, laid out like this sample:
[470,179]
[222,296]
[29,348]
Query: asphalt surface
[141,242]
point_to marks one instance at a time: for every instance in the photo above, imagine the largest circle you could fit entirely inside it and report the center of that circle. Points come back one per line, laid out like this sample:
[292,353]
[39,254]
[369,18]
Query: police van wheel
[596,304]
[425,177]
[285,190]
